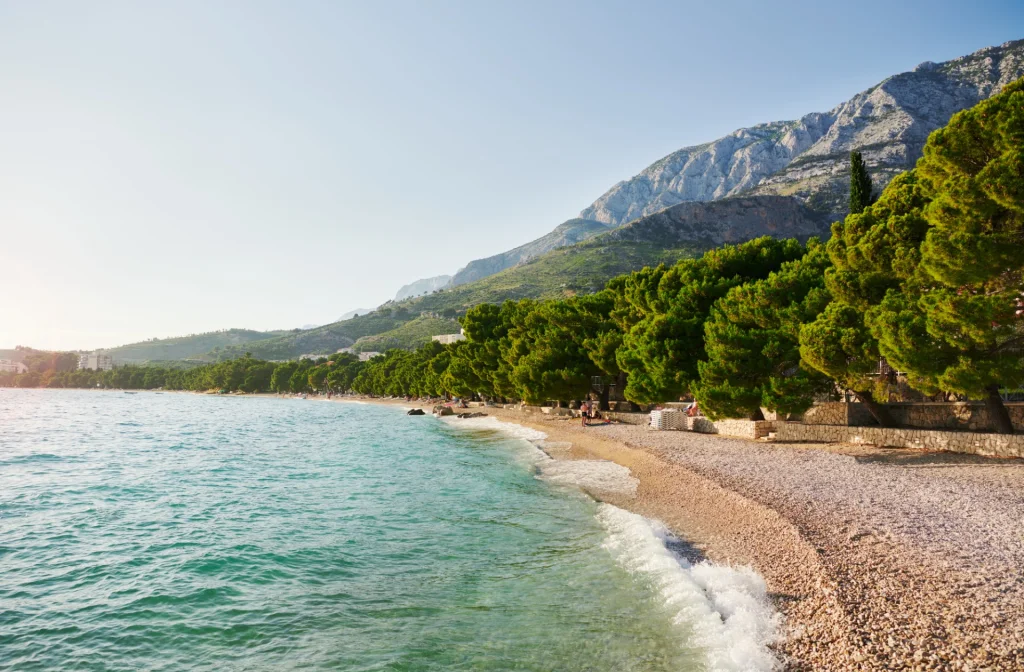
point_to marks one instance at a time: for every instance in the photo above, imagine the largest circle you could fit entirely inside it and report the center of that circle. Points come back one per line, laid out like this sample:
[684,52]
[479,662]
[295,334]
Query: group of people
[588,411]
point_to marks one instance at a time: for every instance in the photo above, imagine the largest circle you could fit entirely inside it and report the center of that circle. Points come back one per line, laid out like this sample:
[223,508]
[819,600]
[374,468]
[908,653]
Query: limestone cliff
[808,158]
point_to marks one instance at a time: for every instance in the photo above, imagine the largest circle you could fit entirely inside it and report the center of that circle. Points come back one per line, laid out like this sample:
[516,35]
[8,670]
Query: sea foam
[726,608]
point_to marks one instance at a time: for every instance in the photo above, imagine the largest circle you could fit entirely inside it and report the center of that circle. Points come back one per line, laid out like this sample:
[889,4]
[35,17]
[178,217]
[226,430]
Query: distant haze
[186,167]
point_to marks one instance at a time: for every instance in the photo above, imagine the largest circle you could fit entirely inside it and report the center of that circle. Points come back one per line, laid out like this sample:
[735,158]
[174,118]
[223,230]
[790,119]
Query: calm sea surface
[179,532]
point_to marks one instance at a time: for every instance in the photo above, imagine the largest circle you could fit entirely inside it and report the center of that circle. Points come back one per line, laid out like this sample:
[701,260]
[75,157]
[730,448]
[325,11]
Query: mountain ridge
[807,158]
[569,232]
[424,286]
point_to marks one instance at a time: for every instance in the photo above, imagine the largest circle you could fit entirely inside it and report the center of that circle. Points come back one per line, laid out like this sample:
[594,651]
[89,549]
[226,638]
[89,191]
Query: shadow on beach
[904,458]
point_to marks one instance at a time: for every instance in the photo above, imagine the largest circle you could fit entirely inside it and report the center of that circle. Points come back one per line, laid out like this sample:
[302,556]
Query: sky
[181,167]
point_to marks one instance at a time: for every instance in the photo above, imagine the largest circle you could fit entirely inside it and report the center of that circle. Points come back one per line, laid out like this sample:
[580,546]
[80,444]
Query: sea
[168,531]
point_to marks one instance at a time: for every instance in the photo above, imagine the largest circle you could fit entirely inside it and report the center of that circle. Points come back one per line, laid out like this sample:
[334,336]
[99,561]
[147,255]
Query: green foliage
[860,184]
[871,253]
[753,342]
[956,324]
[547,350]
[483,356]
[660,351]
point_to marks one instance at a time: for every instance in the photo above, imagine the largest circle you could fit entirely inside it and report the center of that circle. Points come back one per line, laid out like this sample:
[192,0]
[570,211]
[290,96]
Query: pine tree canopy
[661,349]
[957,324]
[752,342]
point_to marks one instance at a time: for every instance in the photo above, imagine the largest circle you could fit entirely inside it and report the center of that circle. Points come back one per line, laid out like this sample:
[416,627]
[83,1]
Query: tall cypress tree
[860,184]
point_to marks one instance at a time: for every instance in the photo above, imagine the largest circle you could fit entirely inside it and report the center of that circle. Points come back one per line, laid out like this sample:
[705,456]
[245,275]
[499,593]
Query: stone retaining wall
[993,445]
[747,429]
[628,418]
[838,413]
[970,415]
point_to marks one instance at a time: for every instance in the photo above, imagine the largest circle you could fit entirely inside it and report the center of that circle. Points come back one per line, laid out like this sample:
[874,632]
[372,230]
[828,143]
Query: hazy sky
[178,167]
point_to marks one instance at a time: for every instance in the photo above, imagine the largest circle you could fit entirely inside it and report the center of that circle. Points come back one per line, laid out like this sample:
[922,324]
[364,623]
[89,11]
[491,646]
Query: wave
[508,428]
[727,608]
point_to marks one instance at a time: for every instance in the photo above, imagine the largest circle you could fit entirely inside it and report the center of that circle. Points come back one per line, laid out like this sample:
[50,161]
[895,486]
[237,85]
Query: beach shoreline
[877,559]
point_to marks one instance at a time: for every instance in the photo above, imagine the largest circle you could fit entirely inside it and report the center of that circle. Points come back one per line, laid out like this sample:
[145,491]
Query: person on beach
[585,412]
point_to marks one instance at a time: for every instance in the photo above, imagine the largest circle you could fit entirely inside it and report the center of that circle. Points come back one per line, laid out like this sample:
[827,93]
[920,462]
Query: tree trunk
[998,416]
[605,390]
[879,411]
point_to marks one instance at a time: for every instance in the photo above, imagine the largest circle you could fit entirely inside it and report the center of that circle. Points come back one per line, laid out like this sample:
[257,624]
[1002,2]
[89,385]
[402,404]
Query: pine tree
[872,253]
[668,308]
[860,184]
[752,343]
[957,325]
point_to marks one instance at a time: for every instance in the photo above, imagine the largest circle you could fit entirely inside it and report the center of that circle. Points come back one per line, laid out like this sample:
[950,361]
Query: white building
[451,338]
[11,366]
[96,361]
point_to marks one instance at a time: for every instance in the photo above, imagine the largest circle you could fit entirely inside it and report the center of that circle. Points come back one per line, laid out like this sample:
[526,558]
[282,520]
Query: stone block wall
[838,413]
[993,445]
[628,418]
[747,429]
[970,416]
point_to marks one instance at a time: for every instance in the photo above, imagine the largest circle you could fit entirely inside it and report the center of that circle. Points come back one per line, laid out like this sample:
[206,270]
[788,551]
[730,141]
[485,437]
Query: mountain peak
[807,158]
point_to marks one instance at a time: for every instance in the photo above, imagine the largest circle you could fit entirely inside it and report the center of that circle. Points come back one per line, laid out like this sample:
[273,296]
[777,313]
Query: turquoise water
[180,532]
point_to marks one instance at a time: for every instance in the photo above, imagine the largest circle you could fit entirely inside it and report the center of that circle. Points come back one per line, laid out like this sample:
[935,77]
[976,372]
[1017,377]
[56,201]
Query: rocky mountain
[733,220]
[566,233]
[808,158]
[425,286]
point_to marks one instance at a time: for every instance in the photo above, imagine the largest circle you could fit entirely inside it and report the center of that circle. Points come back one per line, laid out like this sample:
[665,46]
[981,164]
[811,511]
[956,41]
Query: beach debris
[472,415]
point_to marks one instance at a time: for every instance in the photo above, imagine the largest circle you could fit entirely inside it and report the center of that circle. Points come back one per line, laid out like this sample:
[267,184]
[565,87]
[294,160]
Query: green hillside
[578,269]
[194,346]
[322,340]
[408,336]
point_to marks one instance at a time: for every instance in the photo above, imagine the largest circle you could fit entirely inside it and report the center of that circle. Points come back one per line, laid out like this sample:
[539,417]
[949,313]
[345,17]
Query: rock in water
[416,411]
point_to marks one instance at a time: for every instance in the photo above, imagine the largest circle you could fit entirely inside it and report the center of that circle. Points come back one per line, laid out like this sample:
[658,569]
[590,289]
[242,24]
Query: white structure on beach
[11,366]
[96,361]
[445,339]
